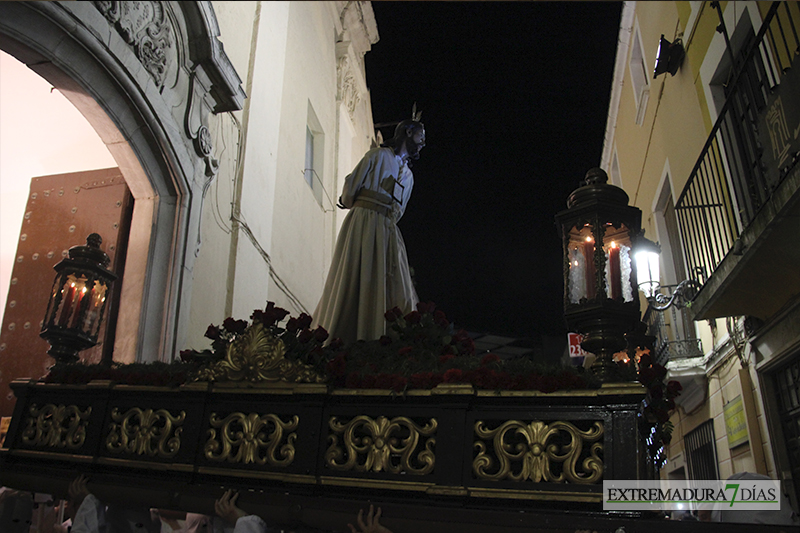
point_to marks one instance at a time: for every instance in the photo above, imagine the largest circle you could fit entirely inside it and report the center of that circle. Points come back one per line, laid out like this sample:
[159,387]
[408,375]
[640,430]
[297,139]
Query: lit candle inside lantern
[66,303]
[614,272]
[588,252]
[77,313]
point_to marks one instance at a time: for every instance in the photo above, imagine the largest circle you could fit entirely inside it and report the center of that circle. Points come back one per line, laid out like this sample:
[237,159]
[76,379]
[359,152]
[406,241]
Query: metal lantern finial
[78,300]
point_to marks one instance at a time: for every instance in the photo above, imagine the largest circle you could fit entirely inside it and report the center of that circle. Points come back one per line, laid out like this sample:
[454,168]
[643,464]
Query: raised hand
[226,508]
[370,524]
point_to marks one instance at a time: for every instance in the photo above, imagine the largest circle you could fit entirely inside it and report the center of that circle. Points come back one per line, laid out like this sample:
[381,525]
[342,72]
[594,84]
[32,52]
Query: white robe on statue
[369,271]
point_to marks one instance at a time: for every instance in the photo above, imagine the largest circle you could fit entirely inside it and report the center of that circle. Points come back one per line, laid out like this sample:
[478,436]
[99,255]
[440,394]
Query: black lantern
[601,299]
[668,57]
[80,294]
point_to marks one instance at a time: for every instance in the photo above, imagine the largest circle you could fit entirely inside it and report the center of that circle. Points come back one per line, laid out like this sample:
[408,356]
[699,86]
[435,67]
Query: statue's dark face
[415,143]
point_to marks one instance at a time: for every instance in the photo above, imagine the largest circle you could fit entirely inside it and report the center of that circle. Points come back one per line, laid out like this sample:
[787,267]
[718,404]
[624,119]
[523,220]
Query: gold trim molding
[257,356]
[375,445]
[145,432]
[56,426]
[252,438]
[522,452]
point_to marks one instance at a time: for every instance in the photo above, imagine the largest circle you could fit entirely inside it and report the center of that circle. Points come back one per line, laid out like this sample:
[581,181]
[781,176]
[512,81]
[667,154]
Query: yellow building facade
[708,150]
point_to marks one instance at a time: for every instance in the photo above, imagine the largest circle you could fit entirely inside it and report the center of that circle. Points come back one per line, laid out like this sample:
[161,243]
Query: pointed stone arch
[146,75]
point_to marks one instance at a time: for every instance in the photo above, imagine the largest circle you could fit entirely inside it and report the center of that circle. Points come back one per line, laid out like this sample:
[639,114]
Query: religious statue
[369,273]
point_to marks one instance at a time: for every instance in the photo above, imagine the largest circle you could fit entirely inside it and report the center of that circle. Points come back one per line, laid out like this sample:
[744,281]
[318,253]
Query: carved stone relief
[346,83]
[144,26]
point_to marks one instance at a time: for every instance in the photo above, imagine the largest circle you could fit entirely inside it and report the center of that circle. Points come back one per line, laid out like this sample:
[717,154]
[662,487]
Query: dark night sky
[514,98]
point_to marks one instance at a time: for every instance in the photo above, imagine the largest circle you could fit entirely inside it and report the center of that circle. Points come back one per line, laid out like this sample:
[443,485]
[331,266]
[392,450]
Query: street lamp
[647,267]
[668,57]
[600,298]
[78,300]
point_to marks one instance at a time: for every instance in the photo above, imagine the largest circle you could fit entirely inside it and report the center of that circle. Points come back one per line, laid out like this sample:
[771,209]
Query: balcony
[741,204]
[682,355]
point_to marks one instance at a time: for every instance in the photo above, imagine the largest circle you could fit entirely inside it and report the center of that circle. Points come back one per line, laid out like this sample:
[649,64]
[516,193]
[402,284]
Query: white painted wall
[286,55]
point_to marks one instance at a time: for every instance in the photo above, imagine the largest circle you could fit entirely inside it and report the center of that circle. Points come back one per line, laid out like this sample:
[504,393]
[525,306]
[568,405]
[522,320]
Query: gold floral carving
[521,452]
[145,432]
[56,426]
[374,445]
[252,438]
[257,356]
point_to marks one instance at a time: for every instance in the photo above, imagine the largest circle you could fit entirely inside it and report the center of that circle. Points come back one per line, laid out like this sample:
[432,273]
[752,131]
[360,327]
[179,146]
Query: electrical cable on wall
[241,221]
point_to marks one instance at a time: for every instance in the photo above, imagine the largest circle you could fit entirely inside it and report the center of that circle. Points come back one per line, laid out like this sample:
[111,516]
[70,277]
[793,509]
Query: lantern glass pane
[618,268]
[94,314]
[72,293]
[581,264]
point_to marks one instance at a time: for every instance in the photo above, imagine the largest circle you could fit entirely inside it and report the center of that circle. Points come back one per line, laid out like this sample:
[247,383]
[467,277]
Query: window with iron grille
[701,452]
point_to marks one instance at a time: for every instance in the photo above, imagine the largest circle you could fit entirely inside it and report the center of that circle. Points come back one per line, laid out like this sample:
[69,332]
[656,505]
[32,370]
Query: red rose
[393,314]
[548,384]
[674,388]
[336,344]
[234,326]
[212,332]
[405,350]
[320,335]
[304,320]
[259,316]
[440,319]
[292,325]
[483,378]
[645,360]
[657,392]
[384,381]
[453,375]
[489,358]
[398,383]
[368,382]
[305,336]
[186,355]
[413,317]
[385,340]
[445,358]
[463,343]
[275,314]
[421,380]
[337,366]
[646,375]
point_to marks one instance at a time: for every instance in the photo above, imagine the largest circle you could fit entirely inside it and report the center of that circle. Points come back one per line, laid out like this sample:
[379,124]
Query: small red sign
[575,350]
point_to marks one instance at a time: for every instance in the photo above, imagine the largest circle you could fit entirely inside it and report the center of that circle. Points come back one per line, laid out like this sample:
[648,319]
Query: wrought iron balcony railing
[733,177]
[681,349]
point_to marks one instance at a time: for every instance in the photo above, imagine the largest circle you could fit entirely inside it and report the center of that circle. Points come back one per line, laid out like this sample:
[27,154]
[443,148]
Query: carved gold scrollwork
[252,438]
[373,445]
[521,452]
[258,356]
[145,432]
[56,426]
